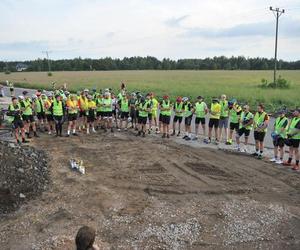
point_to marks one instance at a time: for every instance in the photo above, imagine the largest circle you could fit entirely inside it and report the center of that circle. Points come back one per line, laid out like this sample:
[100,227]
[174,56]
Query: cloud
[24,45]
[176,22]
[289,28]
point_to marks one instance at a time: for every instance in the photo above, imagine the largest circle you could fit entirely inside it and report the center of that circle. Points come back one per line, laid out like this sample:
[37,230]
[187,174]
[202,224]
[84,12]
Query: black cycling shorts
[107,114]
[188,120]
[279,142]
[72,117]
[259,136]
[200,119]
[177,119]
[91,118]
[49,117]
[41,116]
[28,118]
[17,124]
[150,116]
[166,119]
[213,122]
[244,131]
[142,120]
[124,115]
[160,117]
[234,126]
[295,143]
[82,113]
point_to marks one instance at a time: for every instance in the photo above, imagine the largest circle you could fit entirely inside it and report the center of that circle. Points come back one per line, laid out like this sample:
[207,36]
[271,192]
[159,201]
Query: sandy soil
[145,193]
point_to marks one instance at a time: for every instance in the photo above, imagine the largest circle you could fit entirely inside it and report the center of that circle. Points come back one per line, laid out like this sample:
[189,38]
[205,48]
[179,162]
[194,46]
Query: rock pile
[24,174]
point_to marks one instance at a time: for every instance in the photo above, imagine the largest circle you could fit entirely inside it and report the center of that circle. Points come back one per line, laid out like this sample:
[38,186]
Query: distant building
[21,67]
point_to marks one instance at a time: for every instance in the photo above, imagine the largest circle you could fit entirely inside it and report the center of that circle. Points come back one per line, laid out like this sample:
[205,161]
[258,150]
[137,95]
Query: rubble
[23,175]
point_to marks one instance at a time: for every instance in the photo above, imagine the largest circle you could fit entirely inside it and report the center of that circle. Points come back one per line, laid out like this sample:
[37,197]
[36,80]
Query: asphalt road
[268,139]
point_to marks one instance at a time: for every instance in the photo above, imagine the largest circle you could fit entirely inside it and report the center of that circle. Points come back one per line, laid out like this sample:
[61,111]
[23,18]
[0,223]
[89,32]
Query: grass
[242,85]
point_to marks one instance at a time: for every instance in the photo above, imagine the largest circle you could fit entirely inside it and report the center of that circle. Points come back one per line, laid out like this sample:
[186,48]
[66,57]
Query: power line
[277,13]
[47,54]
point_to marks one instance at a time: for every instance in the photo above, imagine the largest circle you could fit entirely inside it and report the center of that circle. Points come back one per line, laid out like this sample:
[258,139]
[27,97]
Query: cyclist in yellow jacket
[72,108]
[293,135]
[260,124]
[215,113]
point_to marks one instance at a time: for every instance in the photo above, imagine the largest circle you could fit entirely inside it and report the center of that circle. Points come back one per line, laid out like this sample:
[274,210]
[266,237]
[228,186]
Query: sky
[161,28]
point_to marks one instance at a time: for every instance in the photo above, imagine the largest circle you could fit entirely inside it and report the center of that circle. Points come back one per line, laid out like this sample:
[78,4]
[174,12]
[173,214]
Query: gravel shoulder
[145,193]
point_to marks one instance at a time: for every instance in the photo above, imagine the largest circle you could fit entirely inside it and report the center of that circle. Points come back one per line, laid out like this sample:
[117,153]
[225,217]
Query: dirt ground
[145,193]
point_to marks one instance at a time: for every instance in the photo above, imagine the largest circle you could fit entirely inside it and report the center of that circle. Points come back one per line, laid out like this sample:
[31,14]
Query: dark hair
[14,98]
[261,106]
[85,238]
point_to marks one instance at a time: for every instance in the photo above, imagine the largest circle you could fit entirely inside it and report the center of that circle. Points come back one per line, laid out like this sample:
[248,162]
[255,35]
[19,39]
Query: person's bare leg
[203,129]
[216,134]
[197,130]
[209,132]
[275,152]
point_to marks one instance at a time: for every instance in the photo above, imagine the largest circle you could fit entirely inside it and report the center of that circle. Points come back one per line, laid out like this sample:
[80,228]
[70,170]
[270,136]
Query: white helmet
[33,96]
[21,97]
[185,99]
[129,119]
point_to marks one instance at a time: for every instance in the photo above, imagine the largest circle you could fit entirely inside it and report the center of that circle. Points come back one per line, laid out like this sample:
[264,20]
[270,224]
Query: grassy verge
[242,85]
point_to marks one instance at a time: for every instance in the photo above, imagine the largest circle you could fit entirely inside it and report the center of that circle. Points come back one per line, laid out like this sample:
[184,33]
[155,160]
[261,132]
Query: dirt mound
[23,175]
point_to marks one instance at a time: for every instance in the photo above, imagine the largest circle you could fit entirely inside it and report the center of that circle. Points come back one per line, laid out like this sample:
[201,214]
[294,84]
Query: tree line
[151,63]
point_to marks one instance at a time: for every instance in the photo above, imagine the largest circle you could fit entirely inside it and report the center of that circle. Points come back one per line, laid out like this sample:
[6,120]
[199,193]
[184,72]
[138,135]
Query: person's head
[90,98]
[133,95]
[179,99]
[85,238]
[166,97]
[21,98]
[73,97]
[199,98]
[185,99]
[106,95]
[34,97]
[143,99]
[246,108]
[85,92]
[25,93]
[148,96]
[296,113]
[50,95]
[58,97]
[223,97]
[14,100]
[282,112]
[260,107]
[44,97]
[215,100]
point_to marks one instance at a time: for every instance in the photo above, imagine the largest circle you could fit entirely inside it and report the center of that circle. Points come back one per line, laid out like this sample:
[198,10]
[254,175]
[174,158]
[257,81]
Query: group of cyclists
[88,111]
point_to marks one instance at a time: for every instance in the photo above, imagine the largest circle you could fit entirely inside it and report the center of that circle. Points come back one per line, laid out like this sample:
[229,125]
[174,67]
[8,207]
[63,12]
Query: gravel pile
[23,175]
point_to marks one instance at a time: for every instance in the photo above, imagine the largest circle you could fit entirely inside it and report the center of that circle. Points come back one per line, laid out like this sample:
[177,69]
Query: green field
[242,85]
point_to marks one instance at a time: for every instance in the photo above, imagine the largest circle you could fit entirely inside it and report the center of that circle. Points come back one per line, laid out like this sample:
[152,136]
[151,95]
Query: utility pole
[47,54]
[277,13]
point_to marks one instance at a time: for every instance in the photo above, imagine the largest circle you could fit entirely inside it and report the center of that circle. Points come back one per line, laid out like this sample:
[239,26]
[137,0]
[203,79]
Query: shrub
[280,83]
[7,72]
[49,74]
